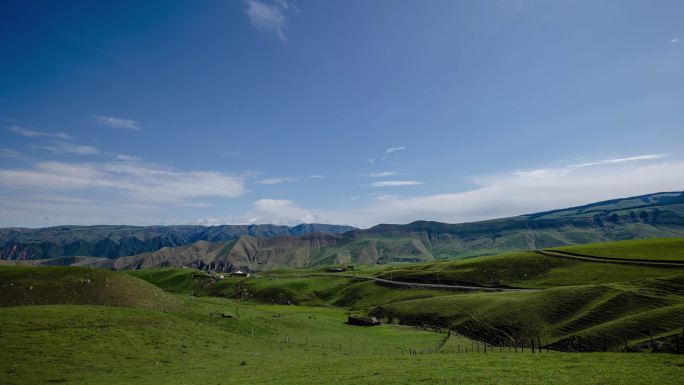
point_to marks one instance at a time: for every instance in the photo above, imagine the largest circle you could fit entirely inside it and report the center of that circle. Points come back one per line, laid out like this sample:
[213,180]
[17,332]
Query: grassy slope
[592,311]
[665,249]
[524,270]
[20,285]
[119,345]
[284,288]
[589,300]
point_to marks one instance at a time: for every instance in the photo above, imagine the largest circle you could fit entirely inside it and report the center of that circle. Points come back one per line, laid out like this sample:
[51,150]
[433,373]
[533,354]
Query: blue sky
[351,112]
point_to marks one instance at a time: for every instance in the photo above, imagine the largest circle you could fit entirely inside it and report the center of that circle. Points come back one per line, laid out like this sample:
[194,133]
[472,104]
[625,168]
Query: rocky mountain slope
[118,241]
[230,247]
[252,253]
[649,216]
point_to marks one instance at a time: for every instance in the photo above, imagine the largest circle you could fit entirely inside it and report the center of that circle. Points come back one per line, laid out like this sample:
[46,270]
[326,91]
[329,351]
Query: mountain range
[109,241]
[265,247]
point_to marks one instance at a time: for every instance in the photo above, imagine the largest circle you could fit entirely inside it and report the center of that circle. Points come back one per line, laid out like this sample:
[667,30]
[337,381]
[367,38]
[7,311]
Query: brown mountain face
[258,254]
[246,253]
[648,216]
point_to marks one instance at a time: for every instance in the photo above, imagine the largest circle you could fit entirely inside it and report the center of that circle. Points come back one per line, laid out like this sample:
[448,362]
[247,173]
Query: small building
[335,269]
[362,321]
[239,273]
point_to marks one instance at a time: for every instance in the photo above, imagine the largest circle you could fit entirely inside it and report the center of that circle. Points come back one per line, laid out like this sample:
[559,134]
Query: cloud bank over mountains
[132,191]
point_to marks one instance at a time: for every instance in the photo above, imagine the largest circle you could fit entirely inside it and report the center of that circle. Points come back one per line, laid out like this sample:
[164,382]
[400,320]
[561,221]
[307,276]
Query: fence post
[677,342]
[532,344]
[650,334]
[624,336]
[605,346]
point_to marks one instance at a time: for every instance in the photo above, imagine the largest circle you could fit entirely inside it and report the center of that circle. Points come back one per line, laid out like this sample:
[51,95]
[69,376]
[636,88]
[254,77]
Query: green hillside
[79,286]
[523,270]
[666,249]
[288,326]
[304,345]
[555,316]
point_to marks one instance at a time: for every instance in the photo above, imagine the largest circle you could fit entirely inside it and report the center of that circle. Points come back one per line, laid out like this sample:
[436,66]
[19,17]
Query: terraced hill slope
[664,250]
[619,315]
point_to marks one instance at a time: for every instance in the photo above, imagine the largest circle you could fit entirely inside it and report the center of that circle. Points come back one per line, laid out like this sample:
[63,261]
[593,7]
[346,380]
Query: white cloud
[125,157]
[272,181]
[272,211]
[316,176]
[279,212]
[396,183]
[383,174]
[70,148]
[124,181]
[395,149]
[268,17]
[619,160]
[503,195]
[11,154]
[34,134]
[115,122]
[675,40]
[371,161]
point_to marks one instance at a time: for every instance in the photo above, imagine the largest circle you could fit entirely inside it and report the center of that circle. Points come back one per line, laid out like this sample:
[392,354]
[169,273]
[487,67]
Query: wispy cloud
[316,176]
[395,149]
[620,160]
[272,181]
[134,181]
[383,174]
[35,134]
[125,157]
[116,122]
[501,195]
[268,17]
[70,148]
[11,154]
[396,183]
[675,40]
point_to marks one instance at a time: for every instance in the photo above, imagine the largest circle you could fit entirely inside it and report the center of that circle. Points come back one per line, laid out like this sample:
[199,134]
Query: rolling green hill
[668,249]
[288,326]
[557,316]
[106,345]
[80,286]
[575,298]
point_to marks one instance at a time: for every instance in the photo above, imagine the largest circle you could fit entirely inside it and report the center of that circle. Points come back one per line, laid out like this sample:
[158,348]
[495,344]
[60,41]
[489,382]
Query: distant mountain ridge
[647,216]
[112,241]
